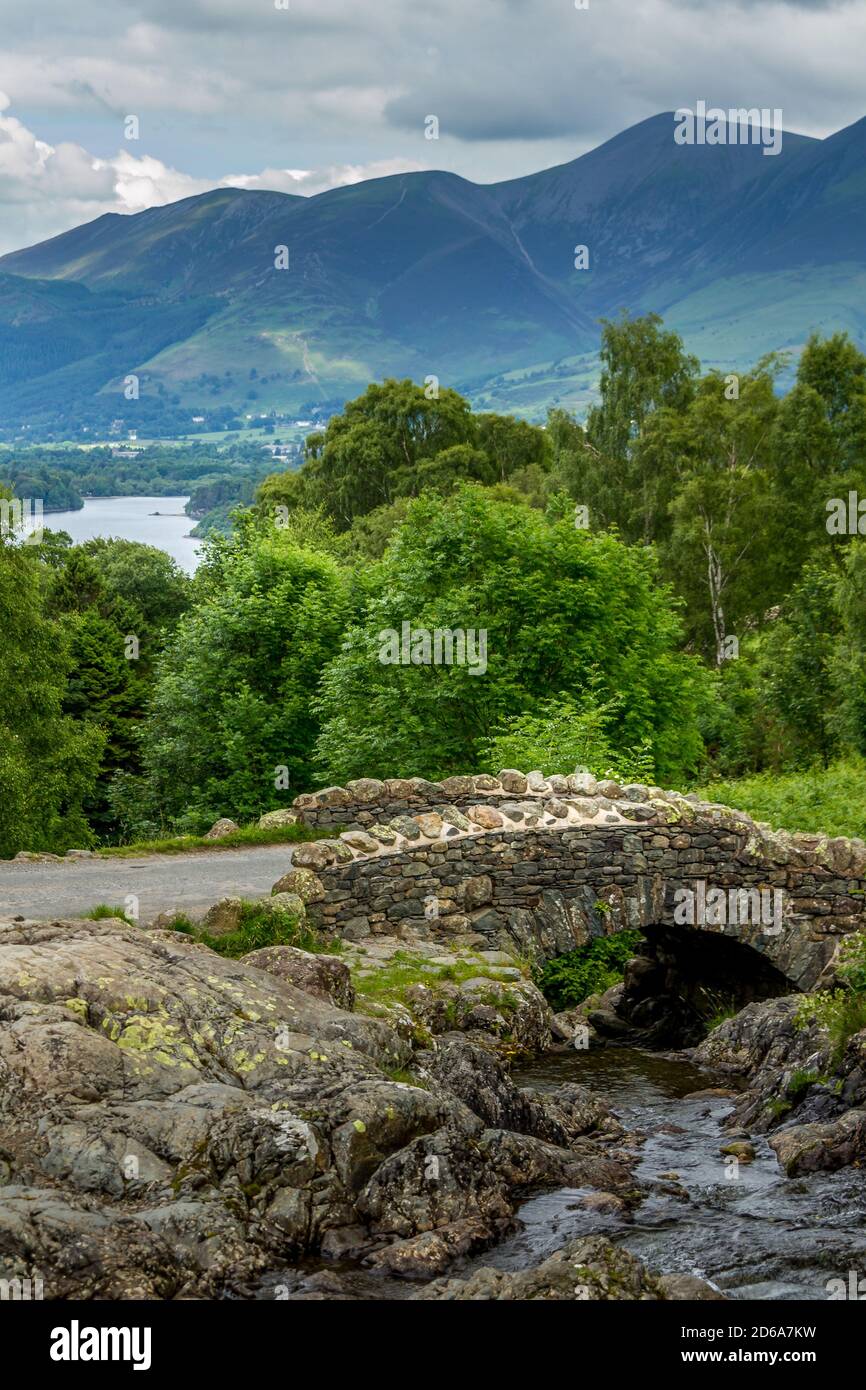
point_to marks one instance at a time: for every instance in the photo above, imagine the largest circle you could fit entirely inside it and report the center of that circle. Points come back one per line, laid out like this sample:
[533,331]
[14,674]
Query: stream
[752,1233]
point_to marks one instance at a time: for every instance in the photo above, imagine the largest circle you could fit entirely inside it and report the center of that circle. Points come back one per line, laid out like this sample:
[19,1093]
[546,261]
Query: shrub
[822,799]
[264,925]
[558,737]
[841,1013]
[591,969]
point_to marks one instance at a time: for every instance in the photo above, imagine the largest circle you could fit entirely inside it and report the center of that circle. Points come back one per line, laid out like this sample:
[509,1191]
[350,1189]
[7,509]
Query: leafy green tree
[847,716]
[796,669]
[511,445]
[644,369]
[835,369]
[109,672]
[395,441]
[146,578]
[233,698]
[557,736]
[719,449]
[448,468]
[565,613]
[48,761]
[369,454]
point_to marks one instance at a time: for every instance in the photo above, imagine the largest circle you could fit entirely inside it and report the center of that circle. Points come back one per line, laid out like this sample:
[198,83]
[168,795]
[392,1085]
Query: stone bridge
[544,865]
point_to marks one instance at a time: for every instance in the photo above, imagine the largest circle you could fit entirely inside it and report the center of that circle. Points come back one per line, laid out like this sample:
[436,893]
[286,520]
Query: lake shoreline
[160,521]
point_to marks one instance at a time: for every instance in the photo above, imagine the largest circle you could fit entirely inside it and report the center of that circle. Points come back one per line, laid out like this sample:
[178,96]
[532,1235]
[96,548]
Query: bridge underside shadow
[684,978]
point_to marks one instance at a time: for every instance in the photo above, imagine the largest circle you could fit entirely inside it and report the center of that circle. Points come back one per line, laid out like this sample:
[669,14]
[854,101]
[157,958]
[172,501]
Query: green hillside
[427,274]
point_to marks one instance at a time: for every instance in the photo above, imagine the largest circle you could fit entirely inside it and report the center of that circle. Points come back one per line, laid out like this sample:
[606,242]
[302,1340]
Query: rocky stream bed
[177,1124]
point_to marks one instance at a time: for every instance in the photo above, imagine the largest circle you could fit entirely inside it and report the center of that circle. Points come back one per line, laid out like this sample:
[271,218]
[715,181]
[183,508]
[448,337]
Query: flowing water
[746,1229]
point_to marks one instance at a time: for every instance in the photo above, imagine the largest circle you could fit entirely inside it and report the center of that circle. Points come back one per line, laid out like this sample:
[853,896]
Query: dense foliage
[661,595]
[569,979]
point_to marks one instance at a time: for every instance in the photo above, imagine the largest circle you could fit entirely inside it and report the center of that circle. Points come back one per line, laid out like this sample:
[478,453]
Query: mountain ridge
[429,274]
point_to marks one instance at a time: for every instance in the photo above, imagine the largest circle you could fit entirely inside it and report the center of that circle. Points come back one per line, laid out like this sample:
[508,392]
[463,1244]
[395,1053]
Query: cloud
[47,188]
[311,181]
[321,94]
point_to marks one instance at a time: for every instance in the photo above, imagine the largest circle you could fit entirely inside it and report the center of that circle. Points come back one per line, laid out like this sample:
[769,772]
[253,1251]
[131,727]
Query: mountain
[429,274]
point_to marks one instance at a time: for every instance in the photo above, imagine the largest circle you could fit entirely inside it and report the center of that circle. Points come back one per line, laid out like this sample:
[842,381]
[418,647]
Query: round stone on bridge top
[513,781]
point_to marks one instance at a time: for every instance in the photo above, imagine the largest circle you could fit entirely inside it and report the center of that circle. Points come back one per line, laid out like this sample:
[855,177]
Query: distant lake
[131,518]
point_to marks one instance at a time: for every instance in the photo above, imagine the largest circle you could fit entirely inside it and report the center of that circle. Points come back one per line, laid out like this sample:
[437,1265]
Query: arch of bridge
[546,864]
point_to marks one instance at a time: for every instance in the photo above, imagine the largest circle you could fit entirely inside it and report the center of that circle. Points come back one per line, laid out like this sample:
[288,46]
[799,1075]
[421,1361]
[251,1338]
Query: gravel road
[161,882]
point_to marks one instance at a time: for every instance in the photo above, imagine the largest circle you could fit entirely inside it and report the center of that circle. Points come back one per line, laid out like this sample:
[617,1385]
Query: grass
[800,1083]
[388,983]
[260,925]
[246,835]
[829,800]
[103,910]
[842,1012]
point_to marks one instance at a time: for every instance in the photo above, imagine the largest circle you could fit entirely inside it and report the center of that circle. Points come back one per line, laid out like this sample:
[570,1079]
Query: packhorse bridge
[544,865]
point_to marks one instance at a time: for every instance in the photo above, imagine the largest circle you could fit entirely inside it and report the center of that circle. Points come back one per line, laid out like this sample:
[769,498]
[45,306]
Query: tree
[644,367]
[796,668]
[145,577]
[108,677]
[396,440]
[233,697]
[369,454]
[557,736]
[48,761]
[847,715]
[565,614]
[719,449]
[835,369]
[510,444]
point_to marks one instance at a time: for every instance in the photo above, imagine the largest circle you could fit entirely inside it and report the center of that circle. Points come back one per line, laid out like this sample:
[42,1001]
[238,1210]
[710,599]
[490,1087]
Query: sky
[303,95]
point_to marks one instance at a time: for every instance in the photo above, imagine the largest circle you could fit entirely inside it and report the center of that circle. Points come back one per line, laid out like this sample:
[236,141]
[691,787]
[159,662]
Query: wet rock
[689,1288]
[473,1073]
[429,1254]
[812,1147]
[740,1149]
[605,1203]
[589,1269]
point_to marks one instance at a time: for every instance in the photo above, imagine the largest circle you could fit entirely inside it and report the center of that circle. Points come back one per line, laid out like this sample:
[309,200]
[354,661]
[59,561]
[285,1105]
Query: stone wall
[367,801]
[547,865]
